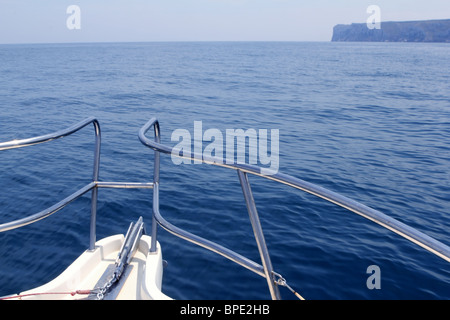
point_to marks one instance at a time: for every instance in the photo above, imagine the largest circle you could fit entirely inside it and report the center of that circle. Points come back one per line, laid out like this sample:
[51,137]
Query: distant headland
[402,31]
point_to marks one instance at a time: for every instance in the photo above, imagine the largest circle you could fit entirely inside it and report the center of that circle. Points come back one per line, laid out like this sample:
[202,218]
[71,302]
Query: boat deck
[140,280]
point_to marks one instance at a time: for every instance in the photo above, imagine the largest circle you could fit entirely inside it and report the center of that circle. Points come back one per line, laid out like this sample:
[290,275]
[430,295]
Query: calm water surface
[368,120]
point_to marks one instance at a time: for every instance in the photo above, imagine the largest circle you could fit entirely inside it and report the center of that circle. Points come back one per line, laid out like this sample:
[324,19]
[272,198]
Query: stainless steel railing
[92,186]
[266,270]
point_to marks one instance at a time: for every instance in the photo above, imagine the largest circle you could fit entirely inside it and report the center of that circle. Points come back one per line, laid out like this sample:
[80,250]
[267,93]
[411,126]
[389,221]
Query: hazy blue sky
[32,21]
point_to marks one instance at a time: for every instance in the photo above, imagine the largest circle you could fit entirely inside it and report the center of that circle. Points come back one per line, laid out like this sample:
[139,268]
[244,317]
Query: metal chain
[101,291]
[125,254]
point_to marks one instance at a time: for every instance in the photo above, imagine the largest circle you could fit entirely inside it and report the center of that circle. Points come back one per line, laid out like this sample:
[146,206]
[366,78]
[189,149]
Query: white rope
[282,282]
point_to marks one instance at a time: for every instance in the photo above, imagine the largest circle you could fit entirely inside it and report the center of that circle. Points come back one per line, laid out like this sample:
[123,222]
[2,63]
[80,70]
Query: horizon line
[155,41]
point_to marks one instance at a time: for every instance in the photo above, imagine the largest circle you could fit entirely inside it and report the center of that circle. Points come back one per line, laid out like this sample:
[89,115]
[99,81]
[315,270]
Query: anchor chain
[102,291]
[126,252]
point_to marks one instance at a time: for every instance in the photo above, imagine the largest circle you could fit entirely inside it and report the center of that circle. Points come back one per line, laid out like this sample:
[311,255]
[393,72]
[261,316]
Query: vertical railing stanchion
[155,189]
[259,236]
[94,195]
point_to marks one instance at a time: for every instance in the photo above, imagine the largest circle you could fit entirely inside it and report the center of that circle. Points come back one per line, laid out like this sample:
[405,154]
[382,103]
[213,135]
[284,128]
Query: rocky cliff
[404,31]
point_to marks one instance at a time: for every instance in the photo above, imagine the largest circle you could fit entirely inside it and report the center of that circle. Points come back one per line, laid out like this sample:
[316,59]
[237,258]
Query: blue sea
[370,121]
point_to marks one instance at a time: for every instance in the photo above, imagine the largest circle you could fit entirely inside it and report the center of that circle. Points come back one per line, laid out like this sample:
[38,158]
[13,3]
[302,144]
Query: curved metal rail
[92,186]
[413,235]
